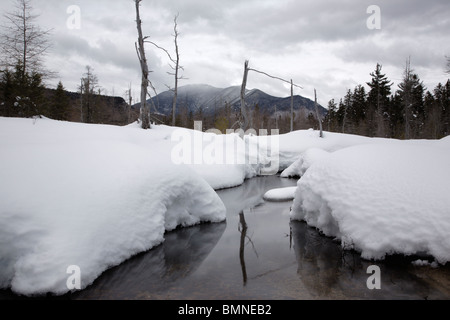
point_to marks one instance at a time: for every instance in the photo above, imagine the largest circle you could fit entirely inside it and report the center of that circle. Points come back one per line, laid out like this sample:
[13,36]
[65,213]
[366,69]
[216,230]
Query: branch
[273,77]
[161,48]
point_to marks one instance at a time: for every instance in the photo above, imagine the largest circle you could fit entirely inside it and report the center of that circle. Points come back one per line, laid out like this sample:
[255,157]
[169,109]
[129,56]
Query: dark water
[258,253]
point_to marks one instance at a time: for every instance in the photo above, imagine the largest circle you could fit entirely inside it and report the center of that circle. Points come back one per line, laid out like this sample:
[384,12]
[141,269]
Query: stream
[258,253]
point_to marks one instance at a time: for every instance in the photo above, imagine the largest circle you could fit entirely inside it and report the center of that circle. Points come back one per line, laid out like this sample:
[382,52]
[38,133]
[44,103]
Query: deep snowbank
[224,161]
[90,196]
[384,198]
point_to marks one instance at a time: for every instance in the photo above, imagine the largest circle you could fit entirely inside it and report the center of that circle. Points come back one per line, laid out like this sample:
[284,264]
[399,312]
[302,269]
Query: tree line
[410,112]
[23,45]
[407,111]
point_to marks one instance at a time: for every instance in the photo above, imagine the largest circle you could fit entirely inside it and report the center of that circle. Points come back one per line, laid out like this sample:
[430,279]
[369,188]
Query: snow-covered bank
[383,198]
[92,196]
[89,196]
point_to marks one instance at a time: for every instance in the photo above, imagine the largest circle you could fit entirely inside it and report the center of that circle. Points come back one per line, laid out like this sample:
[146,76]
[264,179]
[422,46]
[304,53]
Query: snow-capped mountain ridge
[208,98]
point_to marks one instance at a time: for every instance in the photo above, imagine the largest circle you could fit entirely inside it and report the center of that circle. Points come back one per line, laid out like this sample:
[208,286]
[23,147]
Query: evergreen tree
[411,92]
[378,101]
[331,116]
[359,108]
[348,110]
[432,128]
[22,93]
[7,92]
[340,115]
[396,119]
[59,104]
[442,96]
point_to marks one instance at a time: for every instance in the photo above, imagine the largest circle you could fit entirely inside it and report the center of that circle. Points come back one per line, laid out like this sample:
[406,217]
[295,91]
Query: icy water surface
[258,253]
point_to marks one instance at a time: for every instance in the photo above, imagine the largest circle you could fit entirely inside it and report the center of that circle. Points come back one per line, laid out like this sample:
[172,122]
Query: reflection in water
[149,274]
[243,231]
[327,271]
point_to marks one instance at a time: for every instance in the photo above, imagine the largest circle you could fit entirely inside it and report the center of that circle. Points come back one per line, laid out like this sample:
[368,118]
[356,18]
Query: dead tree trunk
[145,108]
[292,105]
[244,125]
[177,67]
[317,113]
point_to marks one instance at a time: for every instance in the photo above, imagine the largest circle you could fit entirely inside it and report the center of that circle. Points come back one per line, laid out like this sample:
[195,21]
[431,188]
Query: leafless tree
[23,42]
[317,113]
[448,65]
[88,90]
[129,96]
[145,108]
[176,67]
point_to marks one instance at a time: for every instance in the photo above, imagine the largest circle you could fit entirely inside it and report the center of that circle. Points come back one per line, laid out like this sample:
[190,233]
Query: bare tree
[448,65]
[88,90]
[23,42]
[317,113]
[176,67]
[145,109]
[130,101]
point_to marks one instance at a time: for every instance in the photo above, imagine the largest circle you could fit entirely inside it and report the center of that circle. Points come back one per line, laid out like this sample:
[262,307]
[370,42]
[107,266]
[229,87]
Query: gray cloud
[325,45]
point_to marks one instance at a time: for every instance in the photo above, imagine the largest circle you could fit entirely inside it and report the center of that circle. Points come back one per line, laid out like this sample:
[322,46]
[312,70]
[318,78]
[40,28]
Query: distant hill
[211,99]
[108,109]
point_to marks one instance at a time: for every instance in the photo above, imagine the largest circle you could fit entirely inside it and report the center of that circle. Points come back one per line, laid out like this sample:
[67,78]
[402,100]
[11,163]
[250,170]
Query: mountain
[210,99]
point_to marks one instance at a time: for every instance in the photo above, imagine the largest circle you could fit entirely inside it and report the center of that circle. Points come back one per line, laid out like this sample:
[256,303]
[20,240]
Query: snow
[295,143]
[306,159]
[90,196]
[422,263]
[222,160]
[383,198]
[280,194]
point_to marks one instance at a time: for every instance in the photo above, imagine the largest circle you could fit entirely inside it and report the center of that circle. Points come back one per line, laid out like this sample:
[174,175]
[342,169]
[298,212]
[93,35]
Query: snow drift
[385,198]
[90,196]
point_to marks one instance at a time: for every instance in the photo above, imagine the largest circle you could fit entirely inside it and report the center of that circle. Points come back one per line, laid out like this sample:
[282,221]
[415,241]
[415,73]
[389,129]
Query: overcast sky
[319,44]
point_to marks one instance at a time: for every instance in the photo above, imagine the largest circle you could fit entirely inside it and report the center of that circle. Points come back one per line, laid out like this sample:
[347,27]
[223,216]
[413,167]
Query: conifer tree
[411,92]
[59,104]
[378,101]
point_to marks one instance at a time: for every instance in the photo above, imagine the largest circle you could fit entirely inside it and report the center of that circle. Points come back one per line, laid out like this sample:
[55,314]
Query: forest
[377,108]
[409,112]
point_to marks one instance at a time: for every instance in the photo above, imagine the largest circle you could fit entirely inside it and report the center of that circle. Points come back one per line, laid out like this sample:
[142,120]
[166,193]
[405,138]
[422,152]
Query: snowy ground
[378,196]
[92,195]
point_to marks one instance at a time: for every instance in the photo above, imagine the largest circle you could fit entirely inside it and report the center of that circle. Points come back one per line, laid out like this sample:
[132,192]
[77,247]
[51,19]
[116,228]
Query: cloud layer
[319,44]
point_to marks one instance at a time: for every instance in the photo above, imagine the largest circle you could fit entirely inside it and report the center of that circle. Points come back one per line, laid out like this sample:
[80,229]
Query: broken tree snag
[177,68]
[292,105]
[145,108]
[317,113]
[244,125]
